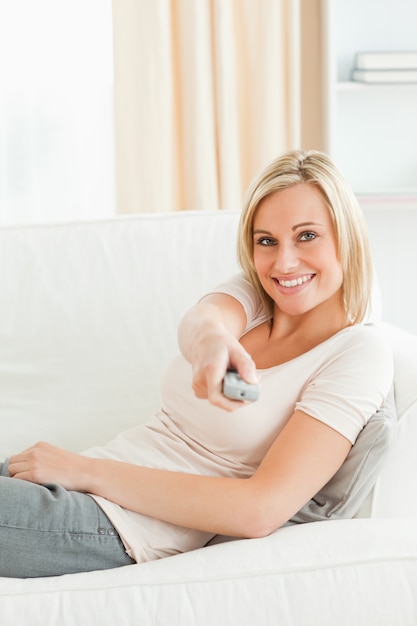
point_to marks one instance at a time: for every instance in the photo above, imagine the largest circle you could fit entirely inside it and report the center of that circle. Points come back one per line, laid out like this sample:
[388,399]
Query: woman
[194,470]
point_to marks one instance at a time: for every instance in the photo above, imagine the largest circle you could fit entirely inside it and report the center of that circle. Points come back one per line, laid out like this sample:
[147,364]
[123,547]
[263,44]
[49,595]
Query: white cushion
[88,318]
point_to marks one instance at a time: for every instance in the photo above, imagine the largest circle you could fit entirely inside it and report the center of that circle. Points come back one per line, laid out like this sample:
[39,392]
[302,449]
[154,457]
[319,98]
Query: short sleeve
[352,383]
[240,288]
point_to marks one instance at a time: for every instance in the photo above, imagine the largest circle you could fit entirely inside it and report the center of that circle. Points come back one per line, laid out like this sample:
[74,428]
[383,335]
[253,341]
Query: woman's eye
[307,236]
[265,241]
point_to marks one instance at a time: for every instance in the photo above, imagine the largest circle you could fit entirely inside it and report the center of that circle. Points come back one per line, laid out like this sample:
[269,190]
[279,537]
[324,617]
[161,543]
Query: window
[56,111]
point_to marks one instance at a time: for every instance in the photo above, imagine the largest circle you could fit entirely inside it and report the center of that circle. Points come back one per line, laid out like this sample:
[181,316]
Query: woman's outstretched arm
[208,338]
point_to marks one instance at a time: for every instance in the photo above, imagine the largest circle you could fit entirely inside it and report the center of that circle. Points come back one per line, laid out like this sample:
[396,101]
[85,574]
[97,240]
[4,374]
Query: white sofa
[88,316]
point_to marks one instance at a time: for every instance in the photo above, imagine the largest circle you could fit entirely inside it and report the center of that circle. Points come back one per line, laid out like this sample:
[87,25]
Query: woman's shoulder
[237,284]
[367,332]
[366,341]
[239,287]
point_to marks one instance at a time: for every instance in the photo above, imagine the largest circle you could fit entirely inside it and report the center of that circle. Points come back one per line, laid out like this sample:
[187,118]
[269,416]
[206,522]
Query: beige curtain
[206,93]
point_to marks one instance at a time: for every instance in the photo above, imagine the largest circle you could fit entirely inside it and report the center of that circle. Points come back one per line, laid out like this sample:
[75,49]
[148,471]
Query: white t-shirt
[340,382]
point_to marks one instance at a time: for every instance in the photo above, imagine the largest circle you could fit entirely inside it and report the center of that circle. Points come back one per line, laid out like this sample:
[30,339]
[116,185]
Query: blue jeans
[46,530]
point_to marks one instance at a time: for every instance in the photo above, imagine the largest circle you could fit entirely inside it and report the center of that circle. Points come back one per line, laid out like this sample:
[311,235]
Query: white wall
[392,232]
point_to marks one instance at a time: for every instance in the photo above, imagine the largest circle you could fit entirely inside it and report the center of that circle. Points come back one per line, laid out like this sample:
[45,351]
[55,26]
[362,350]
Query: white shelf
[352,85]
[371,127]
[383,201]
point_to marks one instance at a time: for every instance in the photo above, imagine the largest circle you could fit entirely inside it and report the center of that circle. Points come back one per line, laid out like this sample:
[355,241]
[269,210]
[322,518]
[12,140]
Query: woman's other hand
[45,463]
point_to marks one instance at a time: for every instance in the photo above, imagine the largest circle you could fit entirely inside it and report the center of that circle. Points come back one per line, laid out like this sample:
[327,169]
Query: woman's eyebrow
[257,231]
[304,224]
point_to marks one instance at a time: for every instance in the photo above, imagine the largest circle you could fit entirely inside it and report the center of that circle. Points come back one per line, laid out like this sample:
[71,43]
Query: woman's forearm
[202,320]
[211,504]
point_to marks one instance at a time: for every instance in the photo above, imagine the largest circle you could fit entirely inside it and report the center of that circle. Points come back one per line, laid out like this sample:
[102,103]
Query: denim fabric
[48,531]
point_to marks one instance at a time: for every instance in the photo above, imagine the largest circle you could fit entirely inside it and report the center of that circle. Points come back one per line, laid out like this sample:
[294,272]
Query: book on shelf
[385,76]
[395,60]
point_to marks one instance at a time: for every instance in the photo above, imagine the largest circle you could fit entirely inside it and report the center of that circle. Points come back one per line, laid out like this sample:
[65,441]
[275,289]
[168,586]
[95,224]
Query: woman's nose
[286,259]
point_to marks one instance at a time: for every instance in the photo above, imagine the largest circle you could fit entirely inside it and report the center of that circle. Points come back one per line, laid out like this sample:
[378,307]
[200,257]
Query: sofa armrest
[393,494]
[404,347]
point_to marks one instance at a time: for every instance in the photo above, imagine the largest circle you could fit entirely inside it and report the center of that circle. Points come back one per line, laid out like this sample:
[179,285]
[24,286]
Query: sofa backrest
[88,321]
[88,318]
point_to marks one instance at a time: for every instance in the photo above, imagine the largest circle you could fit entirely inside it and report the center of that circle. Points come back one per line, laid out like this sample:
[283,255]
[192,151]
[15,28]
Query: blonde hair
[316,168]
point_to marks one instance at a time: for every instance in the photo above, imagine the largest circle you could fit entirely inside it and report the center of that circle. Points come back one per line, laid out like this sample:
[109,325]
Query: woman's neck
[320,323]
[290,336]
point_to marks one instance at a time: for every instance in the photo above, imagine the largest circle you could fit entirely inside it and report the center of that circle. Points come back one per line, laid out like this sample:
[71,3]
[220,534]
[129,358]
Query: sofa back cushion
[88,318]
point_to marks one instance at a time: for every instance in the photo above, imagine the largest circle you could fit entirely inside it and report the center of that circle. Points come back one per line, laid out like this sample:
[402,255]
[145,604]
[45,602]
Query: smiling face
[295,251]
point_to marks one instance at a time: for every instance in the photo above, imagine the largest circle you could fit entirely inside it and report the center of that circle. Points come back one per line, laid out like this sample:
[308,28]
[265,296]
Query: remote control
[235,388]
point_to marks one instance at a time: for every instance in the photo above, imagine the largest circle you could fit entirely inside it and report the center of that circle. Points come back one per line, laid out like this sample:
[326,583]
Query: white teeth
[295,281]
